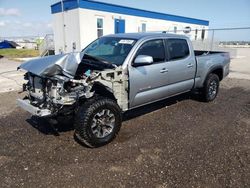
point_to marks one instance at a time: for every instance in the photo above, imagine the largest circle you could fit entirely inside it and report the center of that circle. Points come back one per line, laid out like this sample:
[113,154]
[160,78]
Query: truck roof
[145,35]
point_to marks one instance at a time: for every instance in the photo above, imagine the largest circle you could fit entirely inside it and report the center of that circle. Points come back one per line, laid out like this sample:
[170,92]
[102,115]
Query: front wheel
[211,88]
[97,122]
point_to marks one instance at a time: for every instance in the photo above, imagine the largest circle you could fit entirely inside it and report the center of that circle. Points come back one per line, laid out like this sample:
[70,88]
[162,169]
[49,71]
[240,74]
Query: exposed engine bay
[57,85]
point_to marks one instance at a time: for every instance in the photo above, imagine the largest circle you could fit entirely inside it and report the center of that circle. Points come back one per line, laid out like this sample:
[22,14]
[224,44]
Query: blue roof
[8,44]
[100,6]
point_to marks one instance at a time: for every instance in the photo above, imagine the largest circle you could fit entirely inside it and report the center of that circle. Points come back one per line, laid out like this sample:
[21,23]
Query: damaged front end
[55,85]
[49,96]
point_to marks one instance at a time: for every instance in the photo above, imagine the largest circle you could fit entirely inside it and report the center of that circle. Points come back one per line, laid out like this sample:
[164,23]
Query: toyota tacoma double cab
[117,73]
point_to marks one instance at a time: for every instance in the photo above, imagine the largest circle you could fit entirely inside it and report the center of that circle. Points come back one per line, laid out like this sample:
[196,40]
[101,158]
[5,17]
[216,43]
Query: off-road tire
[84,118]
[211,88]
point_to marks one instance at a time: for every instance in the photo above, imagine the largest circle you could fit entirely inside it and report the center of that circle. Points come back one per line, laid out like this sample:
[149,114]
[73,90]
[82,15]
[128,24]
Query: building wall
[81,27]
[27,45]
[58,32]
[66,30]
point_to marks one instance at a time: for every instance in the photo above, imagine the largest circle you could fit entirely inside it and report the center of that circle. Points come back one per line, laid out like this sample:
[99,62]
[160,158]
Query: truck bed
[209,60]
[202,53]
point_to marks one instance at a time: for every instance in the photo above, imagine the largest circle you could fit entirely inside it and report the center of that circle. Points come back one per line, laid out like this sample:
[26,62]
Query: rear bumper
[25,104]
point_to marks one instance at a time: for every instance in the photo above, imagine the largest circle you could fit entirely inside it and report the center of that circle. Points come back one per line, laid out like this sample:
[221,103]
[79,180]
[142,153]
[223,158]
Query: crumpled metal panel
[65,64]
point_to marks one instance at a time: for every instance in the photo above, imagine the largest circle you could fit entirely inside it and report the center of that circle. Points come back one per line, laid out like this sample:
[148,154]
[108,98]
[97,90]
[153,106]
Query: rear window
[178,49]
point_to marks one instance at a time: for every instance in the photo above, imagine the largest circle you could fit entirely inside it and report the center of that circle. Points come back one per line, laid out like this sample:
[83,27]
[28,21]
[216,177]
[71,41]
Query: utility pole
[212,41]
[63,27]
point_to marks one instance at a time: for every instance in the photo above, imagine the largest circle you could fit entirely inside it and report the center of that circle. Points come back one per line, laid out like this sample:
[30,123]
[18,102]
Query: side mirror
[141,60]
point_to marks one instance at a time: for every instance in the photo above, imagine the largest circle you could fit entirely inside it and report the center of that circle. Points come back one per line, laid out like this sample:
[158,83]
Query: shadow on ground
[46,126]
[160,104]
[64,124]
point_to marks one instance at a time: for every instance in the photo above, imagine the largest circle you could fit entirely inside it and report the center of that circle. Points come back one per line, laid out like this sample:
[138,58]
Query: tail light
[226,55]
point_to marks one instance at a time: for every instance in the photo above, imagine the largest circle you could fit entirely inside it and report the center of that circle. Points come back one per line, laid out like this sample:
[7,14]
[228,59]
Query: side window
[178,49]
[154,48]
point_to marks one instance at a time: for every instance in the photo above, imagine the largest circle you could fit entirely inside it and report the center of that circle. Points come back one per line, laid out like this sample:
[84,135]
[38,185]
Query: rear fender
[218,70]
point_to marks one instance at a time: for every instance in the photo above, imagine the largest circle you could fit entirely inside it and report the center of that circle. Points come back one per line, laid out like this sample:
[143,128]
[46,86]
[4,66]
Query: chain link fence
[224,39]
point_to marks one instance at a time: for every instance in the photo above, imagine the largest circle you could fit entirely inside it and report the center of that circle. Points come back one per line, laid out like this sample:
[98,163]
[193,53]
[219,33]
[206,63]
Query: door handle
[163,70]
[190,65]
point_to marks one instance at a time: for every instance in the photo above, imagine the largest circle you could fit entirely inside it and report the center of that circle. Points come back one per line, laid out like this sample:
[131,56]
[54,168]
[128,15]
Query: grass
[18,53]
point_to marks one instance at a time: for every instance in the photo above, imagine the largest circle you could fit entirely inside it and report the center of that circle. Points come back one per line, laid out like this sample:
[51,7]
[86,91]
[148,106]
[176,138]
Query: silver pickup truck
[114,74]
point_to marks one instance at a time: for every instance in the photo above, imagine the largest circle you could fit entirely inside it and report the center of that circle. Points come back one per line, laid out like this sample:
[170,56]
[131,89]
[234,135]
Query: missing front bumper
[25,104]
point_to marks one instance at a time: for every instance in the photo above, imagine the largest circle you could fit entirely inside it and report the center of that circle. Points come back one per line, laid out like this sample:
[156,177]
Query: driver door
[148,83]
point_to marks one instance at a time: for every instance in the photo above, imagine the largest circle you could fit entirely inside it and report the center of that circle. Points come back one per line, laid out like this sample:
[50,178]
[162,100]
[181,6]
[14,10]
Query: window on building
[175,29]
[143,27]
[99,27]
[196,34]
[178,49]
[203,34]
[154,48]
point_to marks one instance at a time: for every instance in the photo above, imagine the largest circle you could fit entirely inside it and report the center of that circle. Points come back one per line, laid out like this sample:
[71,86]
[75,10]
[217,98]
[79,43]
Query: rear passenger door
[181,66]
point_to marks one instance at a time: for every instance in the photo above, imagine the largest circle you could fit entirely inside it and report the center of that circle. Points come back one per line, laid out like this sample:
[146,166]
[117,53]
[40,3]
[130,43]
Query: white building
[76,23]
[26,44]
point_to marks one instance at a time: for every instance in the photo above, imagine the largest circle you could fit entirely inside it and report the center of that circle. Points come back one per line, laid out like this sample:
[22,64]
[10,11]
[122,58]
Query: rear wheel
[97,122]
[211,87]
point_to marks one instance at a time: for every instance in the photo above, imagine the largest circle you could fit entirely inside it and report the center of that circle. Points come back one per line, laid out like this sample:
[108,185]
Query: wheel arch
[104,91]
[218,70]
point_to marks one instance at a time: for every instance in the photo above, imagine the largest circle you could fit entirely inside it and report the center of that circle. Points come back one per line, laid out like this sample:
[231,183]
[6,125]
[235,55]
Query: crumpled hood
[66,64]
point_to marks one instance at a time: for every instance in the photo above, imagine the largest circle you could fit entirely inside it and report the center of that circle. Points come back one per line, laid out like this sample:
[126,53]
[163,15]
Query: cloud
[49,25]
[17,22]
[2,24]
[9,12]
[27,24]
[19,28]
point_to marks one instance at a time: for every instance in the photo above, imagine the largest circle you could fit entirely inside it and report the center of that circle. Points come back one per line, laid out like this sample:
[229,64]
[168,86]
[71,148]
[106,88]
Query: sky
[33,17]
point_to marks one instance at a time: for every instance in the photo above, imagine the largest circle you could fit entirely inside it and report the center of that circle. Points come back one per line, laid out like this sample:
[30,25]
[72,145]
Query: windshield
[111,49]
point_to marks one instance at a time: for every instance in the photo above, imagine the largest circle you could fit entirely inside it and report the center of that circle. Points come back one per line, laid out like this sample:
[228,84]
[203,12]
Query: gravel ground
[180,142]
